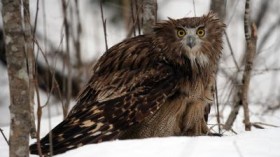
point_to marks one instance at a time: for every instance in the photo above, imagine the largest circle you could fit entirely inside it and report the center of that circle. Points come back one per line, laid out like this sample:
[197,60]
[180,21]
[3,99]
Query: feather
[145,86]
[111,103]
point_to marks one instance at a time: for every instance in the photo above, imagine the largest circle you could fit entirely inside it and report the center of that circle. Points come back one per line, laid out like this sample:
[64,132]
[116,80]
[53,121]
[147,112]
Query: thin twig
[194,9]
[221,125]
[30,64]
[35,21]
[217,105]
[77,42]
[266,124]
[257,126]
[2,132]
[39,112]
[104,25]
[68,62]
[231,51]
[54,83]
[133,19]
[137,16]
[45,43]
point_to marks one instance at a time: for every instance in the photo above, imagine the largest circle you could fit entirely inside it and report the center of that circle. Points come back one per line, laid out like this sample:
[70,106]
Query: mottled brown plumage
[152,85]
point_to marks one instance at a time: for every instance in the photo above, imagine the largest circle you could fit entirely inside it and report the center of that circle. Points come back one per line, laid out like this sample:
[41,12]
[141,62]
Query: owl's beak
[191,41]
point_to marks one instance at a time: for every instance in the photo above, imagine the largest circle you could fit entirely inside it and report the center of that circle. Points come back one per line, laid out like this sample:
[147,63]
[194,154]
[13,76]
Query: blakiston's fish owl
[152,85]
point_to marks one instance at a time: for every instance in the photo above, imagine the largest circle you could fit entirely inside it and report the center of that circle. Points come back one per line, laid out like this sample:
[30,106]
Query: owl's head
[198,39]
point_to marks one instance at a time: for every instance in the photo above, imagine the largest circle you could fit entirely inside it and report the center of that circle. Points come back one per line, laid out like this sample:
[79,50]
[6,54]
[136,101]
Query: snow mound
[260,143]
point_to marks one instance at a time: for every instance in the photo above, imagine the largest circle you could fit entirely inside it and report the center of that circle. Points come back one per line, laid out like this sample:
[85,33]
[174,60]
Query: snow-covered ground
[259,143]
[262,143]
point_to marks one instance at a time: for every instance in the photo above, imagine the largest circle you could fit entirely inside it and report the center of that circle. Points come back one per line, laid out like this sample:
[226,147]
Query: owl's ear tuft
[213,17]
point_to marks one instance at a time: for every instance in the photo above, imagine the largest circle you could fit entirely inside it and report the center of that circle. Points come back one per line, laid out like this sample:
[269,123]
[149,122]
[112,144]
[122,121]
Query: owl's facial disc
[189,37]
[191,40]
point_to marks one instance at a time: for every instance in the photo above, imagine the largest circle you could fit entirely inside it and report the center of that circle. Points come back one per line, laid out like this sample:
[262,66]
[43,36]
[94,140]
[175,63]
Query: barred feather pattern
[146,86]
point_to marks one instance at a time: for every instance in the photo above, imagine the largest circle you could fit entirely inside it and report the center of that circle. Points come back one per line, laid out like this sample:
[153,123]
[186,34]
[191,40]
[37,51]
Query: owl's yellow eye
[181,33]
[200,32]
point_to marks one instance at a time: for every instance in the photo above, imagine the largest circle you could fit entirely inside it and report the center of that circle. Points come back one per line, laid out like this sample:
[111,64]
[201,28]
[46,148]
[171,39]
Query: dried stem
[104,25]
[218,108]
[30,63]
[237,102]
[231,51]
[194,10]
[77,42]
[45,43]
[68,62]
[39,113]
[35,22]
[265,124]
[4,136]
[133,26]
[235,109]
[137,3]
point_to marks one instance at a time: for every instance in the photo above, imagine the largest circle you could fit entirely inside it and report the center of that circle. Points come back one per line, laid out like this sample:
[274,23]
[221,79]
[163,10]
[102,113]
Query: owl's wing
[110,104]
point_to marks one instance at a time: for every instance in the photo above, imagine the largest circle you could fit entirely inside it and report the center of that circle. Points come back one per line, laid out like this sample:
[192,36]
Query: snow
[259,143]
[254,144]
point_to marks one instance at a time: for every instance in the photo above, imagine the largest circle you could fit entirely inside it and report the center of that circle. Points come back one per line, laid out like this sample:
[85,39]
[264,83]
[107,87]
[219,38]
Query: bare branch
[30,63]
[194,10]
[4,136]
[231,52]
[68,62]
[137,3]
[79,32]
[251,41]
[133,26]
[104,26]
[218,108]
[39,114]
[235,109]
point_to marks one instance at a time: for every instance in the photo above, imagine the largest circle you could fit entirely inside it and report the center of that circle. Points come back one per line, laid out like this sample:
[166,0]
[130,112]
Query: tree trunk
[18,77]
[251,42]
[149,15]
[219,7]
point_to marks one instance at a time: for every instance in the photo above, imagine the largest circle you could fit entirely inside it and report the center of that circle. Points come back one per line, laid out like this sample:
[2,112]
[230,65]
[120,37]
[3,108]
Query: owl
[152,85]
